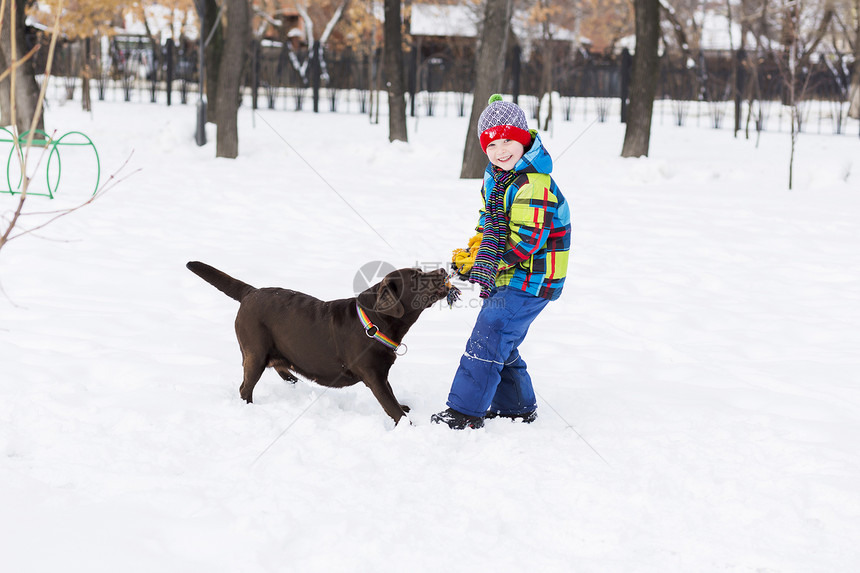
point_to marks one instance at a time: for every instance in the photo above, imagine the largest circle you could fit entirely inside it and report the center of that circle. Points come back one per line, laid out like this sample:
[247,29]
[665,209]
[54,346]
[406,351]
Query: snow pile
[698,379]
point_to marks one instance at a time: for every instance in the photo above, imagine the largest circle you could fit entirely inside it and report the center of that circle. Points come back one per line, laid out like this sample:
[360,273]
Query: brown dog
[336,343]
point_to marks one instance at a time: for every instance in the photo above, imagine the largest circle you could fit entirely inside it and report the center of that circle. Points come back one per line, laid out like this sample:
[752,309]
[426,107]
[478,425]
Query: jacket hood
[536,159]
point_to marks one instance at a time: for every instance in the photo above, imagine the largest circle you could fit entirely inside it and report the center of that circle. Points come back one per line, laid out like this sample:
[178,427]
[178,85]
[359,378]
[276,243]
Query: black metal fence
[131,69]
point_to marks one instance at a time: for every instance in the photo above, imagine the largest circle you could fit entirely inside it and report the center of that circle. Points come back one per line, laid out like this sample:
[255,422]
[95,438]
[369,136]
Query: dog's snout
[438,276]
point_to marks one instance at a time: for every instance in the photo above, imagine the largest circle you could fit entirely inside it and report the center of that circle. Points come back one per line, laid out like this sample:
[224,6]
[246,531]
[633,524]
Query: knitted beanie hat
[503,120]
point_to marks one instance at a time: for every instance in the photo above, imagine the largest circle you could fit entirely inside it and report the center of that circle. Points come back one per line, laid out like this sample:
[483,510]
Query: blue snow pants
[491,371]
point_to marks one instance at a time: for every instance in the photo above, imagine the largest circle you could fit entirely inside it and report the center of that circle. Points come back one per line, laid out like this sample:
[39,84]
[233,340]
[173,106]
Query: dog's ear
[387,301]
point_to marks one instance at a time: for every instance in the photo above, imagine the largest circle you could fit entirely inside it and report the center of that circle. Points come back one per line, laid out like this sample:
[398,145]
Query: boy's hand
[475,242]
[462,260]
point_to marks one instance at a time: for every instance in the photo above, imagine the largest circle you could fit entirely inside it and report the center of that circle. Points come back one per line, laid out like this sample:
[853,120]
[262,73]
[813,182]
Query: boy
[524,234]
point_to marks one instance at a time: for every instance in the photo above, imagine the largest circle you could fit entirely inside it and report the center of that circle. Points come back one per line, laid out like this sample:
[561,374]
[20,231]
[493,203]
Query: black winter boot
[457,420]
[526,418]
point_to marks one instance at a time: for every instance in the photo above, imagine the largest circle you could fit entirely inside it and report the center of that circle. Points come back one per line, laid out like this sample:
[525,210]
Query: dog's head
[405,293]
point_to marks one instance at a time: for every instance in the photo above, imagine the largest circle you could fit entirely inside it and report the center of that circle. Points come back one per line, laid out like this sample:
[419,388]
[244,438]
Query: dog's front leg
[385,395]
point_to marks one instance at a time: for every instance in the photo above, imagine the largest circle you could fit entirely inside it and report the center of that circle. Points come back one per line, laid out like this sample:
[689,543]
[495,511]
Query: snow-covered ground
[699,379]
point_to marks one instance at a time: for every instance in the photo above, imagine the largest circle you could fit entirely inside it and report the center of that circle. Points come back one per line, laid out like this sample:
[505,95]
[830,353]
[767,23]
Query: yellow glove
[463,259]
[475,241]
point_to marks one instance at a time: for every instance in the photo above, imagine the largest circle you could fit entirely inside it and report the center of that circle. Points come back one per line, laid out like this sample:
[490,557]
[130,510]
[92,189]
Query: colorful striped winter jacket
[538,226]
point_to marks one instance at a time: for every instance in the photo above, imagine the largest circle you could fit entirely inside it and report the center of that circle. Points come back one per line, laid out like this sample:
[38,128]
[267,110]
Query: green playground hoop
[42,139]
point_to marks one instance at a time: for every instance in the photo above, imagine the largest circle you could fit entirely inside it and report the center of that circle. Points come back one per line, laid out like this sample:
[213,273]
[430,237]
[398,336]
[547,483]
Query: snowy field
[698,381]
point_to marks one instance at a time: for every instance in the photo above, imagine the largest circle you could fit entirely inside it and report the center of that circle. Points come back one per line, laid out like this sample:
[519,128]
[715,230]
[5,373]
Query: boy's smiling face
[504,153]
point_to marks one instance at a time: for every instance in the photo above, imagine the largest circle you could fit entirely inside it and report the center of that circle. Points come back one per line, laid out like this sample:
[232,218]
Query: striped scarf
[495,234]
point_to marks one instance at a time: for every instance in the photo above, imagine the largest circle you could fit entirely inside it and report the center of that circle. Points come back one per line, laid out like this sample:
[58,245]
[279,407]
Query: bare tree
[853,39]
[22,74]
[682,43]
[310,12]
[799,49]
[213,33]
[311,67]
[543,19]
[489,69]
[643,81]
[5,88]
[394,72]
[236,37]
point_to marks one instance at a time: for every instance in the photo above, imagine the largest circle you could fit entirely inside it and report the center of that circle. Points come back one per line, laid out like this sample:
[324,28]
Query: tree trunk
[394,71]
[213,53]
[489,69]
[854,89]
[854,92]
[626,64]
[738,83]
[236,38]
[643,83]
[5,99]
[545,113]
[26,87]
[86,73]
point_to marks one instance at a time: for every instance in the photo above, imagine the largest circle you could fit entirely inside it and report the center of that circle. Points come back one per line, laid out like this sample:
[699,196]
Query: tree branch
[820,32]
[669,11]
[309,25]
[23,156]
[265,21]
[112,182]
[20,62]
[334,20]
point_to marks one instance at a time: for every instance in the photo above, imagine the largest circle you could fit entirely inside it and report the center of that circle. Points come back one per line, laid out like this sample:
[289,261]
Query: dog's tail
[234,288]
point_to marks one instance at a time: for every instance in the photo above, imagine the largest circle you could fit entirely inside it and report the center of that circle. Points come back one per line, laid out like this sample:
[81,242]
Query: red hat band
[505,132]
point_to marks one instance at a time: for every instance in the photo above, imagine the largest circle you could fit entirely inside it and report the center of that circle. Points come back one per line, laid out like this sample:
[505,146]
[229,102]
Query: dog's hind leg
[253,367]
[287,375]
[282,367]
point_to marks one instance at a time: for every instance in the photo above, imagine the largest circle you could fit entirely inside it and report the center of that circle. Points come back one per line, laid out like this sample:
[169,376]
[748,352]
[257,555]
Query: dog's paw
[405,408]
